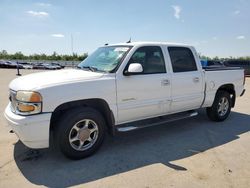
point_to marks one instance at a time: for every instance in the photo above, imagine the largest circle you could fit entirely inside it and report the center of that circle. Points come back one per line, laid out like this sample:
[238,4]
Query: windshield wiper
[93,69]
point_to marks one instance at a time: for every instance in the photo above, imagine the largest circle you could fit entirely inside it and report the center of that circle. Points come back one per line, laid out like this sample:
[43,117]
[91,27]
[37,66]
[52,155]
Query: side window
[182,59]
[151,59]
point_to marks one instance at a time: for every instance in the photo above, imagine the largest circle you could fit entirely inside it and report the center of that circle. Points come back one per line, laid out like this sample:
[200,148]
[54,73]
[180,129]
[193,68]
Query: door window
[182,59]
[151,59]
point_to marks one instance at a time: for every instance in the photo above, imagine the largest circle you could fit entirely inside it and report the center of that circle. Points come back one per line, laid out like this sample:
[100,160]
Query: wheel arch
[98,104]
[230,89]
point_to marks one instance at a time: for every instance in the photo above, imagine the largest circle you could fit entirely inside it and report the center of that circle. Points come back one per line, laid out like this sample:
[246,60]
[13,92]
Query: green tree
[18,55]
[3,54]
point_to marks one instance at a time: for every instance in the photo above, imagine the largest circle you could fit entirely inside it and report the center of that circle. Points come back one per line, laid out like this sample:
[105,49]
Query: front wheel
[221,107]
[80,132]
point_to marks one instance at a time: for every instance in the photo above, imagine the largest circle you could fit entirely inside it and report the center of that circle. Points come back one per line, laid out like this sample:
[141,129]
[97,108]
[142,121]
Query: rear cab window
[182,59]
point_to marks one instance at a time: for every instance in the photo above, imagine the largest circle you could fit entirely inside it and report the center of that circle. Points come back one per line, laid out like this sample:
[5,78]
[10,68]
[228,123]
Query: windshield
[104,59]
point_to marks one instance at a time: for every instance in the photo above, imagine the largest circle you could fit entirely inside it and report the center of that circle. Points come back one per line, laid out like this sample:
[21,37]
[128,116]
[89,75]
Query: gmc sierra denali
[120,87]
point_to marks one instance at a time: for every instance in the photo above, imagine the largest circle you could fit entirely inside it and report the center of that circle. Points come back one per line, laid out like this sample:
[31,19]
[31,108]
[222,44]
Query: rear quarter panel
[215,79]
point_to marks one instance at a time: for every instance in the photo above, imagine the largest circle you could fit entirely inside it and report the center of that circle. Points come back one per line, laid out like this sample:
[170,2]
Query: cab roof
[141,43]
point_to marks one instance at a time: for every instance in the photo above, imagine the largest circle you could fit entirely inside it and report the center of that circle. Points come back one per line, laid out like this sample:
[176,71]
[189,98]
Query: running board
[155,121]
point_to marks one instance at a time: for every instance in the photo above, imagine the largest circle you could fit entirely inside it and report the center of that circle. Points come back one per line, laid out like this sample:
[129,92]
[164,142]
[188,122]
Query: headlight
[28,102]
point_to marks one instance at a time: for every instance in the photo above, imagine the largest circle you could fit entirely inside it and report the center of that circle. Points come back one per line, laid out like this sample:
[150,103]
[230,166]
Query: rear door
[187,83]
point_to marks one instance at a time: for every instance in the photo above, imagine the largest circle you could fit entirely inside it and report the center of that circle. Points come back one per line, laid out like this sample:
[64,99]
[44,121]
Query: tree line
[75,57]
[216,58]
[53,57]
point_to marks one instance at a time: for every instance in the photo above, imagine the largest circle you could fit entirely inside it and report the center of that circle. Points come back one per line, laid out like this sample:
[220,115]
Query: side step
[155,121]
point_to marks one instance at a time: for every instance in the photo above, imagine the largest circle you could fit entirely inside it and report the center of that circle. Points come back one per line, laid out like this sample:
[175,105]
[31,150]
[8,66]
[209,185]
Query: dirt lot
[188,153]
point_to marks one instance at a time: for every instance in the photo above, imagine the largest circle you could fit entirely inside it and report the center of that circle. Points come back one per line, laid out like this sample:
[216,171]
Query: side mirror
[134,68]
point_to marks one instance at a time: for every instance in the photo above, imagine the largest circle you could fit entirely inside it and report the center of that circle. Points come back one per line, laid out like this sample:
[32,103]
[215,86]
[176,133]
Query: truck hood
[40,80]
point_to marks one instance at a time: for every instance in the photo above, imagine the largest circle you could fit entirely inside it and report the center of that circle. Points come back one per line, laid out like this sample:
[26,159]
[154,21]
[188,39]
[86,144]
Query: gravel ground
[188,153]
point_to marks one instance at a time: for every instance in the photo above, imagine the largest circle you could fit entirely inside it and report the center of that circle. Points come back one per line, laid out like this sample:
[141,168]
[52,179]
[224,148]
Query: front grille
[13,101]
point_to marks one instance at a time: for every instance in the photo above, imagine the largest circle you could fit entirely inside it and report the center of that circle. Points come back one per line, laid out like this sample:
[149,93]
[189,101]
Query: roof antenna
[106,44]
[129,40]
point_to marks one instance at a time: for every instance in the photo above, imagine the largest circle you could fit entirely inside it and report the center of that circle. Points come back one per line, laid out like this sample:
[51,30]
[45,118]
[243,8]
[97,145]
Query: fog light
[26,108]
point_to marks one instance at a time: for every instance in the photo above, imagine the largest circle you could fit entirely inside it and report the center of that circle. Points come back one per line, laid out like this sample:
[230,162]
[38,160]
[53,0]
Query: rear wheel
[80,132]
[221,107]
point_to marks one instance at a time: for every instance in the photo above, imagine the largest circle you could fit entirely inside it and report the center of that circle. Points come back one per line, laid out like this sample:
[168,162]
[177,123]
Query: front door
[146,94]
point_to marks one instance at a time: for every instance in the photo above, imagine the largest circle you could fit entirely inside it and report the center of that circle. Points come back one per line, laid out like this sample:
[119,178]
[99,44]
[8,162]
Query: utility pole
[72,45]
[17,66]
[72,49]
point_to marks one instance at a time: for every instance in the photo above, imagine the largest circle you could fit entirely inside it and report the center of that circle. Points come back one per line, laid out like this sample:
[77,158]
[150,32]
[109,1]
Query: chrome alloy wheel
[83,134]
[223,106]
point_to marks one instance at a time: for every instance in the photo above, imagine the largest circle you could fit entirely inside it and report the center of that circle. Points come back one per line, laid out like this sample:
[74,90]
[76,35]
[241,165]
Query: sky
[215,27]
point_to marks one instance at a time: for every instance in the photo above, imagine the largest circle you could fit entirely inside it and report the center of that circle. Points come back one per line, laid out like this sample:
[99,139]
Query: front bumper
[32,130]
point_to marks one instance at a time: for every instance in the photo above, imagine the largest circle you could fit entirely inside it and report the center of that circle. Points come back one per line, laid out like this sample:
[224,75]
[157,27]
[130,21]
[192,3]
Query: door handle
[196,79]
[165,82]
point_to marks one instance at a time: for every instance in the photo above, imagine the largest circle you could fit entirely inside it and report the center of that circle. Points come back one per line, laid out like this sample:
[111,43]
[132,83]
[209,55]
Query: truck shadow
[125,152]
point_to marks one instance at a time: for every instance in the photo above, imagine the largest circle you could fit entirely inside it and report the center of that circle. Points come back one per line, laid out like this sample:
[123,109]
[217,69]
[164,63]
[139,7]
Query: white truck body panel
[215,79]
[42,80]
[145,98]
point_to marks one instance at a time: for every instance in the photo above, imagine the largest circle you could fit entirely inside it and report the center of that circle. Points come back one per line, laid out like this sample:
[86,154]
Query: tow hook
[11,131]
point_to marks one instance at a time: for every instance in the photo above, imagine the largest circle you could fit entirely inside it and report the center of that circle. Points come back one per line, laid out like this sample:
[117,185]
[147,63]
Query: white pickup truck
[119,87]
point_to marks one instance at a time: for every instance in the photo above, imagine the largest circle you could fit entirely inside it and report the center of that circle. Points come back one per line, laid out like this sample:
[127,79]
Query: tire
[85,126]
[217,112]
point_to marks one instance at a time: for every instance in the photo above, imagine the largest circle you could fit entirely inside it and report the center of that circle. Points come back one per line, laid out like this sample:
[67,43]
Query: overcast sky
[214,27]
